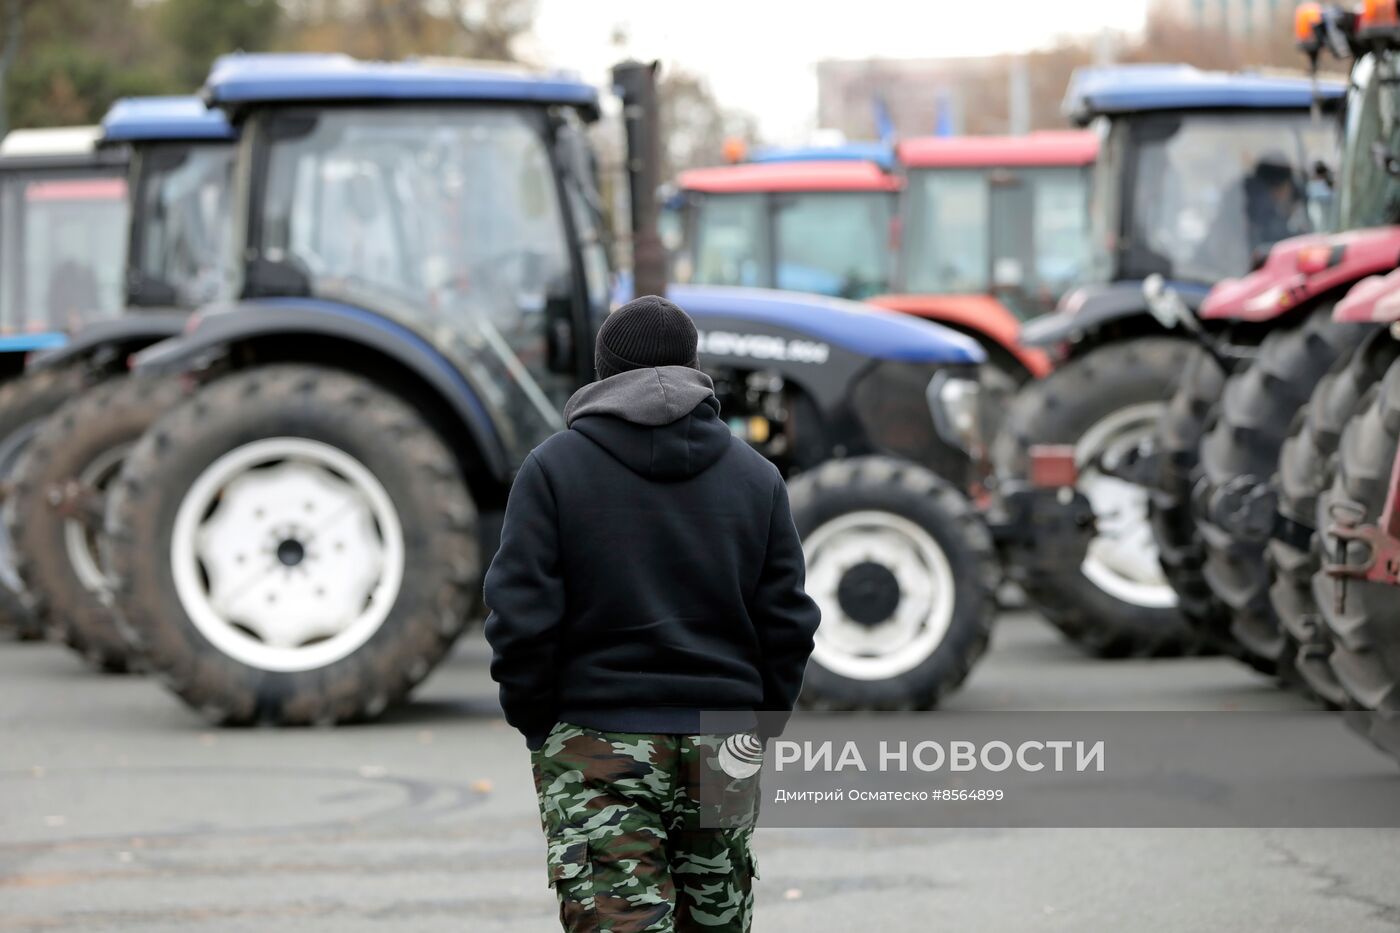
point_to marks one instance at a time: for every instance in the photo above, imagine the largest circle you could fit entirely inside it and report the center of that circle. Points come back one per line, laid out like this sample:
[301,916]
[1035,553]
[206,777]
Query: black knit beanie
[647,331]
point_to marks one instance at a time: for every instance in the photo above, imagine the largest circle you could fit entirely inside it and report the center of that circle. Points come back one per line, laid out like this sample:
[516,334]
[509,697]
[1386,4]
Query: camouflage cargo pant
[626,849]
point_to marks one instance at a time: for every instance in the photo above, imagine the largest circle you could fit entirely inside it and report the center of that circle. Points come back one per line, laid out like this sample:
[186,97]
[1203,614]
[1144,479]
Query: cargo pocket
[571,877]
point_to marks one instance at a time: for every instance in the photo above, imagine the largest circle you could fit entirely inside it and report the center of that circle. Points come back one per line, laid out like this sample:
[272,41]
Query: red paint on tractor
[1300,269]
[1047,148]
[762,177]
[1373,300]
[980,315]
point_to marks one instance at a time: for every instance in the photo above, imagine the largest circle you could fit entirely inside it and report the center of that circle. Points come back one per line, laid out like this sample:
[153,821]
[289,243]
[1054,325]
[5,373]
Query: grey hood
[650,397]
[661,423]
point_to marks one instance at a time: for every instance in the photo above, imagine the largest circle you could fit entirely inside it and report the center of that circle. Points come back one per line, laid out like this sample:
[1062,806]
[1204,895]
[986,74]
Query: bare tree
[13,24]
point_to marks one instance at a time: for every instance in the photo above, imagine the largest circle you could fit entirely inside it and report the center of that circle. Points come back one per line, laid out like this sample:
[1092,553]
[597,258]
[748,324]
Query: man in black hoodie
[648,570]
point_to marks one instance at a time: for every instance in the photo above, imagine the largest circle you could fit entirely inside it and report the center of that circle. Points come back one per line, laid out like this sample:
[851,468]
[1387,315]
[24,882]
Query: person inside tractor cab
[1269,199]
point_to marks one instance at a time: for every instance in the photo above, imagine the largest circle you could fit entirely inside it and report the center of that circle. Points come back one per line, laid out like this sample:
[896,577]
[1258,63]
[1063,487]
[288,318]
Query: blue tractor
[131,276]
[419,265]
[1198,172]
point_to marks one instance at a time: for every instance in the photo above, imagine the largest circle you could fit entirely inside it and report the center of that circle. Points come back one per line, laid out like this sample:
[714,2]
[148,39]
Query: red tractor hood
[1300,269]
[1373,300]
[979,316]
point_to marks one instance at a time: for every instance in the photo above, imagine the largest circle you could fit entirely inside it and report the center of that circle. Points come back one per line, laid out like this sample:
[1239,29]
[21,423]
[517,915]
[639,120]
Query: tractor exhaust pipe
[635,83]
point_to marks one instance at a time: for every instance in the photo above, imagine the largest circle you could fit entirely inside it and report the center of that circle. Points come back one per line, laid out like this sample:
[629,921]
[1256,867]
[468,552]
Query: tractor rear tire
[1239,460]
[24,404]
[905,573]
[1363,617]
[343,522]
[57,557]
[1178,444]
[1306,471]
[1118,602]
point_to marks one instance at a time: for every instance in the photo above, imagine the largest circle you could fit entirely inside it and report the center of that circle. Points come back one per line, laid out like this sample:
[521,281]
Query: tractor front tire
[292,545]
[905,573]
[56,550]
[24,404]
[1118,602]
[1235,498]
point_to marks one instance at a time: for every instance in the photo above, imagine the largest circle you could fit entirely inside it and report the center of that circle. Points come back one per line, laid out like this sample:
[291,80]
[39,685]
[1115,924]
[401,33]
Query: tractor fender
[981,317]
[1372,300]
[1090,308]
[120,335]
[1300,269]
[211,334]
[820,344]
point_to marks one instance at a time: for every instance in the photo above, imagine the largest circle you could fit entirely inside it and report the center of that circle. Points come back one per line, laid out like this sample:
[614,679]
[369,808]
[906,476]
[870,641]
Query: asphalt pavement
[120,810]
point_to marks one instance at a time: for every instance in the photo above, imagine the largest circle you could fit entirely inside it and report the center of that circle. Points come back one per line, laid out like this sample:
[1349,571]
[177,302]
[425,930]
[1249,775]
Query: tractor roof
[242,79]
[880,153]
[52,141]
[1045,148]
[759,177]
[140,119]
[1119,89]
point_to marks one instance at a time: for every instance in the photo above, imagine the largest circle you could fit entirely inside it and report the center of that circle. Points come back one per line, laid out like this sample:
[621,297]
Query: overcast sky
[760,55]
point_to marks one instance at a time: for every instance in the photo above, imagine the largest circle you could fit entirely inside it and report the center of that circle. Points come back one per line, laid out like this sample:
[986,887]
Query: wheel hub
[250,547]
[868,593]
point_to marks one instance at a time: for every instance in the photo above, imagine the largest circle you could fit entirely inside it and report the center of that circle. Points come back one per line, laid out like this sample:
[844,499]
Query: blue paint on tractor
[879,153]
[28,343]
[850,325]
[150,119]
[267,78]
[1119,89]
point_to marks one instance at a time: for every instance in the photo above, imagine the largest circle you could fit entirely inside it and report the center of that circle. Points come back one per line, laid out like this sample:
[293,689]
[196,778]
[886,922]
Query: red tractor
[976,233]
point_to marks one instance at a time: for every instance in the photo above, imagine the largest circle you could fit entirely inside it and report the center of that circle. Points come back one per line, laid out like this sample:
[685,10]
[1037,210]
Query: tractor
[418,266]
[1196,173]
[1242,451]
[181,155]
[975,233]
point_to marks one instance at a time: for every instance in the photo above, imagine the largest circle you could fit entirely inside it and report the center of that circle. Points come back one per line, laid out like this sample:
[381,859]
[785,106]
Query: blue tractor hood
[857,328]
[1121,89]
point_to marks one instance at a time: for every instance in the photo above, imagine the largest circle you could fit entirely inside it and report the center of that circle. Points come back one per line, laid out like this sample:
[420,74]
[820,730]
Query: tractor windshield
[1369,189]
[1196,196]
[445,218]
[827,242]
[1021,234]
[62,247]
[180,243]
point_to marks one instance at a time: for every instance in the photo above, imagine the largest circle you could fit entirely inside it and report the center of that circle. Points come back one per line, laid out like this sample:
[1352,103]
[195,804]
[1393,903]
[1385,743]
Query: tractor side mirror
[561,349]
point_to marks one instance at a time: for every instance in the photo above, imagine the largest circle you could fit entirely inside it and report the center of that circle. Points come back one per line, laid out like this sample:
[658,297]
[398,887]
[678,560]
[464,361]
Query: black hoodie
[649,568]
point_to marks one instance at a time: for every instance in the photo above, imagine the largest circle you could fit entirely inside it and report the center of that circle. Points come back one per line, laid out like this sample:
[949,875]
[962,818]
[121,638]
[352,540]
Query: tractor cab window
[731,241]
[182,236]
[1211,191]
[833,243]
[1019,234]
[1369,188]
[62,248]
[445,218]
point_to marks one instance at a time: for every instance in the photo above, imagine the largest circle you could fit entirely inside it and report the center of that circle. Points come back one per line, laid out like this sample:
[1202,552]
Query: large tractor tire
[1363,617]
[1306,469]
[1118,602]
[1235,500]
[905,573]
[24,404]
[292,545]
[1178,444]
[54,512]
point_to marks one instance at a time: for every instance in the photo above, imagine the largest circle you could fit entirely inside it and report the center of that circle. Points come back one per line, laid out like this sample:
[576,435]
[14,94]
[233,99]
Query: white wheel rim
[1122,559]
[287,554]
[920,621]
[77,538]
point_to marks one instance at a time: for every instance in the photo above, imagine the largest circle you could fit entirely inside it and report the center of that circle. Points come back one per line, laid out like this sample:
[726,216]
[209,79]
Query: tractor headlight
[955,403]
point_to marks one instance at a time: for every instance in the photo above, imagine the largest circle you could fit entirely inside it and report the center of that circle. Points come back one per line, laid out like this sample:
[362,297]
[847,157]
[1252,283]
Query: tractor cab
[63,217]
[817,220]
[1198,174]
